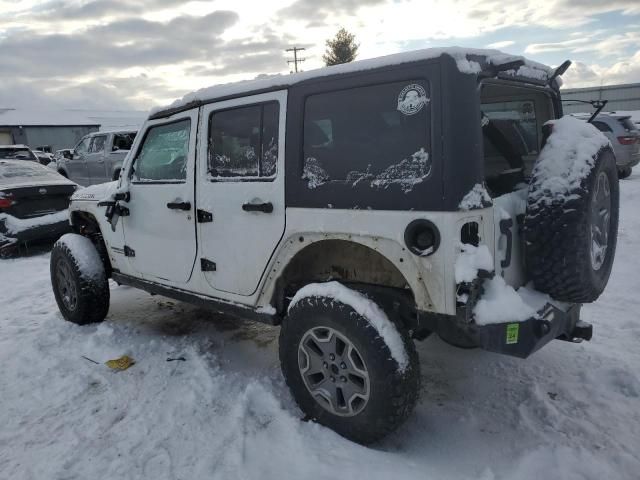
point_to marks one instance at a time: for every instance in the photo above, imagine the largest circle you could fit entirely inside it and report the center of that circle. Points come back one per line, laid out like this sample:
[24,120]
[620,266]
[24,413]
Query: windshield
[16,153]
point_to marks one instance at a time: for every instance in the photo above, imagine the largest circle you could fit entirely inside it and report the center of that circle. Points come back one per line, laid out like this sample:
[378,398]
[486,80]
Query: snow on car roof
[466,61]
[14,146]
[18,173]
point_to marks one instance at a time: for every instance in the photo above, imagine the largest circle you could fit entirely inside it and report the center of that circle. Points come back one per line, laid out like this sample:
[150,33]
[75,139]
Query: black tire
[79,281]
[558,238]
[624,172]
[392,394]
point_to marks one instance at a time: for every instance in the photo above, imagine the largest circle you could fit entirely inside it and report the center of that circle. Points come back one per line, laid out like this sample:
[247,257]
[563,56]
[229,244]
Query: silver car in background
[624,137]
[97,158]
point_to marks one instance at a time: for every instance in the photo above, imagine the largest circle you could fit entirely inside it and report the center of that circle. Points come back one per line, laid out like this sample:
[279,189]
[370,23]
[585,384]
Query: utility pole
[295,60]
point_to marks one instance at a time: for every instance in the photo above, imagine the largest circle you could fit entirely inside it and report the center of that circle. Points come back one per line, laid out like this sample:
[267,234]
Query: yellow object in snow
[121,363]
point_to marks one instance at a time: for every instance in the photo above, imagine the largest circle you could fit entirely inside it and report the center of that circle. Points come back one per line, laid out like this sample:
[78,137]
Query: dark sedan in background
[33,204]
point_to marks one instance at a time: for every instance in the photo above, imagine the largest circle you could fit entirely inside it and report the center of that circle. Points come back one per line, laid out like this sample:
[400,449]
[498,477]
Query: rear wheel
[79,281]
[341,371]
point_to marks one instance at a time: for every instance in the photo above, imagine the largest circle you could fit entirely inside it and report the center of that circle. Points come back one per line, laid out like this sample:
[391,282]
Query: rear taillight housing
[6,200]
[627,140]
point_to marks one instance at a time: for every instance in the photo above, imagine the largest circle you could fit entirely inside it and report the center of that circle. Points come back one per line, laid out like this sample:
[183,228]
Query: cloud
[503,44]
[315,13]
[602,42]
[623,71]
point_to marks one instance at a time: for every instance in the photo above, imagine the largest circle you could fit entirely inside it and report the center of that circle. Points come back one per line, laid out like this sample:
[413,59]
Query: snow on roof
[465,59]
[19,117]
[105,119]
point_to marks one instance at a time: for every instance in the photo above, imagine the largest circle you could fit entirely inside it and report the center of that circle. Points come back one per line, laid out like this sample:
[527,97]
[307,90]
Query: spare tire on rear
[571,224]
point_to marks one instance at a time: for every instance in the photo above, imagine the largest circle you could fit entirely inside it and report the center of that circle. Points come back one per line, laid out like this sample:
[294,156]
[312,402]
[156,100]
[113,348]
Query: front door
[77,164]
[160,229]
[95,160]
[241,184]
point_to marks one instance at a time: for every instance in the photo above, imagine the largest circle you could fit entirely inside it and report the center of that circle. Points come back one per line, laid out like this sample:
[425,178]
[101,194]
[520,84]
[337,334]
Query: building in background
[58,129]
[621,98]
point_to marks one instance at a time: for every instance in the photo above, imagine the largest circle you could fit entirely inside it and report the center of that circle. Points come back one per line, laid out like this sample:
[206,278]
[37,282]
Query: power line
[295,60]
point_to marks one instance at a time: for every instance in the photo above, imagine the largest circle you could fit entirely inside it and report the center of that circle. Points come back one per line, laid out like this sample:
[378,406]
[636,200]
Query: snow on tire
[79,280]
[571,224]
[347,365]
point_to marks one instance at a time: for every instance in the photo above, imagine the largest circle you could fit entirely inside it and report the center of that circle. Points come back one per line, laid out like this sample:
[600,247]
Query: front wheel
[342,372]
[624,172]
[79,280]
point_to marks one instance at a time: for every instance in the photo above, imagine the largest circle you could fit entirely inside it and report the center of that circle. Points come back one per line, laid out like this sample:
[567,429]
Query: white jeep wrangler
[361,207]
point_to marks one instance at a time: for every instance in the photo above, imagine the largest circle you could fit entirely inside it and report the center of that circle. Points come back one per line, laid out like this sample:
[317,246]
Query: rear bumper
[628,159]
[45,231]
[521,339]
[517,339]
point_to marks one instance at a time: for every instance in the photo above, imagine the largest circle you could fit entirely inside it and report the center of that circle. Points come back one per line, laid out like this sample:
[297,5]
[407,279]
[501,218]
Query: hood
[96,193]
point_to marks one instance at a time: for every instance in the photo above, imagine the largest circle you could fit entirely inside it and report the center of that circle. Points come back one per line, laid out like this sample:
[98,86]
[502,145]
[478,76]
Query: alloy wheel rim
[600,221]
[66,285]
[334,372]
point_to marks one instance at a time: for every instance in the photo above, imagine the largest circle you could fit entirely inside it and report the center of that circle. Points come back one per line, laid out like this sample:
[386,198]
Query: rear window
[627,124]
[377,135]
[17,154]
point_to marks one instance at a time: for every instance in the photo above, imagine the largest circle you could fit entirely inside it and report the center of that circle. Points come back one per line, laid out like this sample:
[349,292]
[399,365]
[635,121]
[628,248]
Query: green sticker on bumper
[512,333]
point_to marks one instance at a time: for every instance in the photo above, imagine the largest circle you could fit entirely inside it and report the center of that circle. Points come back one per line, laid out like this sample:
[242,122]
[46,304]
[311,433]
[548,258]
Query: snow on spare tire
[571,223]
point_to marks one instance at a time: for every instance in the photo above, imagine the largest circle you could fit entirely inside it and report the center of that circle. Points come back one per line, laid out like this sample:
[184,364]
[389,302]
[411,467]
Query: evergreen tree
[341,49]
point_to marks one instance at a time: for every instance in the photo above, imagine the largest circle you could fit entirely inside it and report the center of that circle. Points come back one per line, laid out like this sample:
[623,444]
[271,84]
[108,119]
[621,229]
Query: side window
[97,144]
[123,141]
[243,142]
[603,127]
[163,153]
[377,135]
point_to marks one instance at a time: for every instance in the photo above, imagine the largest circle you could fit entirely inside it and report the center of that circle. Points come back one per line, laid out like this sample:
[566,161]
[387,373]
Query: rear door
[160,229]
[240,184]
[95,160]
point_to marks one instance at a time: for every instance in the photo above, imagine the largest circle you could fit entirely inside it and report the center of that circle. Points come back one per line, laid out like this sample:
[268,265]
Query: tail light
[6,200]
[627,140]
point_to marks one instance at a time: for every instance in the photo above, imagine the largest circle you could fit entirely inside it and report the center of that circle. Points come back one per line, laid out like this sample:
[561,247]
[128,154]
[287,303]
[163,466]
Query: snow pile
[470,260]
[366,308]
[566,159]
[85,254]
[15,225]
[500,303]
[478,197]
[462,56]
[408,173]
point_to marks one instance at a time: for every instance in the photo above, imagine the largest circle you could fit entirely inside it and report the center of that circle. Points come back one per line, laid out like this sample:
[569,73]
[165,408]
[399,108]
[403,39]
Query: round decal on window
[412,98]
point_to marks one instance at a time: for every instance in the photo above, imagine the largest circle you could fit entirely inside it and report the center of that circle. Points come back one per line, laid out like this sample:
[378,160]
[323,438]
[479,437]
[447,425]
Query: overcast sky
[133,54]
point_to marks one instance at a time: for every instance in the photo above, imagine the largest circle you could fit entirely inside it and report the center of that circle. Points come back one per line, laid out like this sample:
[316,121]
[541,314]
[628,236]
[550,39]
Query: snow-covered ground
[571,411]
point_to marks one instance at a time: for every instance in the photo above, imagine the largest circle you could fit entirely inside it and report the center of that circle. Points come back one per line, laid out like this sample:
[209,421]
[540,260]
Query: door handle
[258,207]
[179,205]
